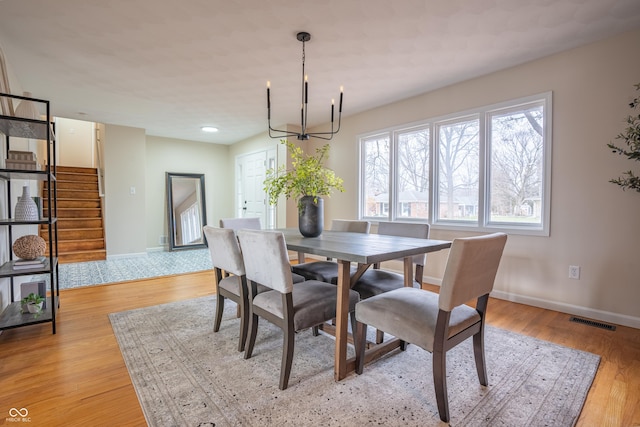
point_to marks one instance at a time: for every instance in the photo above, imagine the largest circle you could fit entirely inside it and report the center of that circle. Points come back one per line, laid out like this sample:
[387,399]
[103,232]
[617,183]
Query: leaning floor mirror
[186,210]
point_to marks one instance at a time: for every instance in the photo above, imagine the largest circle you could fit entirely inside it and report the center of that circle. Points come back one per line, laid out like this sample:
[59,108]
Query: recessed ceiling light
[209,129]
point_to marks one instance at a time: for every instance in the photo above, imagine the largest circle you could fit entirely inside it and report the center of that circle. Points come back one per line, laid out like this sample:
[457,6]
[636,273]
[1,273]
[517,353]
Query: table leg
[342,315]
[408,271]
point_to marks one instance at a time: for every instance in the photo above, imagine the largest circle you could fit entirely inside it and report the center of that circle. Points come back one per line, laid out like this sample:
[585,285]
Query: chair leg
[244,324]
[219,310]
[478,352]
[379,336]
[440,383]
[352,319]
[287,357]
[251,339]
[360,338]
[315,330]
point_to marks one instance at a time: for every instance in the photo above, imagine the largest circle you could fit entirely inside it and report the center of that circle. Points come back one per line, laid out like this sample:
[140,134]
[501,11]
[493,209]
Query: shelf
[40,175]
[12,316]
[11,221]
[6,270]
[43,131]
[18,127]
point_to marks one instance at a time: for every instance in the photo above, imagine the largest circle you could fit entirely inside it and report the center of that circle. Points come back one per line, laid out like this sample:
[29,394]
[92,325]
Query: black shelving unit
[42,130]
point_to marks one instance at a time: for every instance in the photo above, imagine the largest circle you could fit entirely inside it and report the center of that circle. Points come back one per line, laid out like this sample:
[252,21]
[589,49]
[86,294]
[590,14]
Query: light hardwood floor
[78,377]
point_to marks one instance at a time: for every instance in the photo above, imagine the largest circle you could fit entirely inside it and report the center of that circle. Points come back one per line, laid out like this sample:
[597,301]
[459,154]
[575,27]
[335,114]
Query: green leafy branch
[631,139]
[307,177]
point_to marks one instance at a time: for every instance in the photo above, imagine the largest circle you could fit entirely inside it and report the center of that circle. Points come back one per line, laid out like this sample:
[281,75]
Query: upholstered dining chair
[437,323]
[227,257]
[240,223]
[375,281]
[291,308]
[327,271]
[250,224]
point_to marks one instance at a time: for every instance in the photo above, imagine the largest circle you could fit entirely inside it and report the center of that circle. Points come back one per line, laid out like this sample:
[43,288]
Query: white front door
[251,200]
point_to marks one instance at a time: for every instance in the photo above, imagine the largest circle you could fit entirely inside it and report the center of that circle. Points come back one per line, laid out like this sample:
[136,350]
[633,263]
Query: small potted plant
[306,181]
[32,303]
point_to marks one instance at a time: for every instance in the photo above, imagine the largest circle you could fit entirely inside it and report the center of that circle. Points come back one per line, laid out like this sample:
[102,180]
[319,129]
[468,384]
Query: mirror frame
[170,176]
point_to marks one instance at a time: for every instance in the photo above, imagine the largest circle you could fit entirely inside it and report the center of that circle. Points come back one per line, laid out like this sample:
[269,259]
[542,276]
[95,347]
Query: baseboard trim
[132,255]
[591,313]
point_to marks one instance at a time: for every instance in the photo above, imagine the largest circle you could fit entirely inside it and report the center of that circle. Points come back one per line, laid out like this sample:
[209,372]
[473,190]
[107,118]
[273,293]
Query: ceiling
[171,67]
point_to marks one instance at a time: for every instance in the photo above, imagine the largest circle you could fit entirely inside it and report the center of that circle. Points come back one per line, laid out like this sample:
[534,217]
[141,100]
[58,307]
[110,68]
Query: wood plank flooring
[78,377]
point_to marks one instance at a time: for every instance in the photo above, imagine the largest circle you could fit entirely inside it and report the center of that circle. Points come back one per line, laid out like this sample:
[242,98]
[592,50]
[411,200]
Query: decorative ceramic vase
[310,216]
[26,208]
[27,109]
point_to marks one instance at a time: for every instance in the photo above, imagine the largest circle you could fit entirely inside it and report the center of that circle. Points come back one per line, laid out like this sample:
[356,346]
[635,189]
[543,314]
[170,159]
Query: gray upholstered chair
[327,271]
[226,257]
[435,322]
[291,308]
[250,224]
[376,281]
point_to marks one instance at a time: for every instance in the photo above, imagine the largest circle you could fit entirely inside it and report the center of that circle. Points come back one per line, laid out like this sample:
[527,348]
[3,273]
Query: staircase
[80,225]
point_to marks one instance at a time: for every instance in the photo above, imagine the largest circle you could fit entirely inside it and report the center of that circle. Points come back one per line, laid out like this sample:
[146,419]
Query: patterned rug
[153,264]
[186,375]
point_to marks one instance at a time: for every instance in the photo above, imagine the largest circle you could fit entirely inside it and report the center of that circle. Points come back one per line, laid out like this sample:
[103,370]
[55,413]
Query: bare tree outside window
[413,174]
[458,170]
[376,152]
[517,146]
[484,169]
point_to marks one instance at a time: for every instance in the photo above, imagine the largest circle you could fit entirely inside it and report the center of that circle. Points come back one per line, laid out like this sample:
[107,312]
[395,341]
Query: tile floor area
[153,264]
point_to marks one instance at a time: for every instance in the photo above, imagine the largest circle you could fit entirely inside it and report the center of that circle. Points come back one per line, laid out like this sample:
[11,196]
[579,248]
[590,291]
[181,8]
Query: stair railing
[99,154]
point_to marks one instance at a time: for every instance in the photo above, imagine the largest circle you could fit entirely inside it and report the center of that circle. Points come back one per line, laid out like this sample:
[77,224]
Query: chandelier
[303,135]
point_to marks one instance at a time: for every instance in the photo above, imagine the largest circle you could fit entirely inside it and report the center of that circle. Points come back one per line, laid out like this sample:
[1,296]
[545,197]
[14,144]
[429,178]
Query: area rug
[151,264]
[187,375]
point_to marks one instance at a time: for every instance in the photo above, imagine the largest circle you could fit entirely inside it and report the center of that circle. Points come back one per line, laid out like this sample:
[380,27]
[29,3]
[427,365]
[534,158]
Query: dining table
[365,250]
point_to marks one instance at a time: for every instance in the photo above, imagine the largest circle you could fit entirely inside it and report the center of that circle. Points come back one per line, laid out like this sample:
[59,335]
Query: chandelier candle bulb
[332,105]
[269,96]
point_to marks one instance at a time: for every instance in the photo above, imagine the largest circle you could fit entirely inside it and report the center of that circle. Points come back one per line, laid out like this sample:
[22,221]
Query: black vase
[311,216]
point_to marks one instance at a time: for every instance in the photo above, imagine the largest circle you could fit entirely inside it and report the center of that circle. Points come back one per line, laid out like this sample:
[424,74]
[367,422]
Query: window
[412,187]
[484,169]
[375,159]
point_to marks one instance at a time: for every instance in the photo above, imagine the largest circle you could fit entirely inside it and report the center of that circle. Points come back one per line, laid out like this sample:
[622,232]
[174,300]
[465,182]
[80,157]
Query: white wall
[76,143]
[594,224]
[125,213]
[172,155]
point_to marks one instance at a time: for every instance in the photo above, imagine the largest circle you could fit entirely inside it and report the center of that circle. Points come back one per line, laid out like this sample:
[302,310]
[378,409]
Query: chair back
[471,269]
[403,229]
[266,259]
[224,250]
[350,226]
[240,223]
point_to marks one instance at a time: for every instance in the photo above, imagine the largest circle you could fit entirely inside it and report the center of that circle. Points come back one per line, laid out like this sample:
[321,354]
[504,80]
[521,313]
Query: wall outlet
[574,272]
[163,240]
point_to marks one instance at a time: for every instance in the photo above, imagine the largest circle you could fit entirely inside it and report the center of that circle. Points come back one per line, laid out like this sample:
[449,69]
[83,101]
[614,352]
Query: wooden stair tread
[79,214]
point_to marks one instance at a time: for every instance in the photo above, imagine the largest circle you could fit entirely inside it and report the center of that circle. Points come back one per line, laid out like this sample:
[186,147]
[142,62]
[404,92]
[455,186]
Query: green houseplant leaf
[307,177]
[631,139]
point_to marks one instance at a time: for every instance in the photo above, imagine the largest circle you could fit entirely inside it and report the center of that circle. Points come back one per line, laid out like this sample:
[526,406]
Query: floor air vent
[593,323]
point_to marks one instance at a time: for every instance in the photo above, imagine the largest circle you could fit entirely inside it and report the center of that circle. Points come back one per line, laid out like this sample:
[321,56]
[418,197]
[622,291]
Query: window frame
[484,115]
